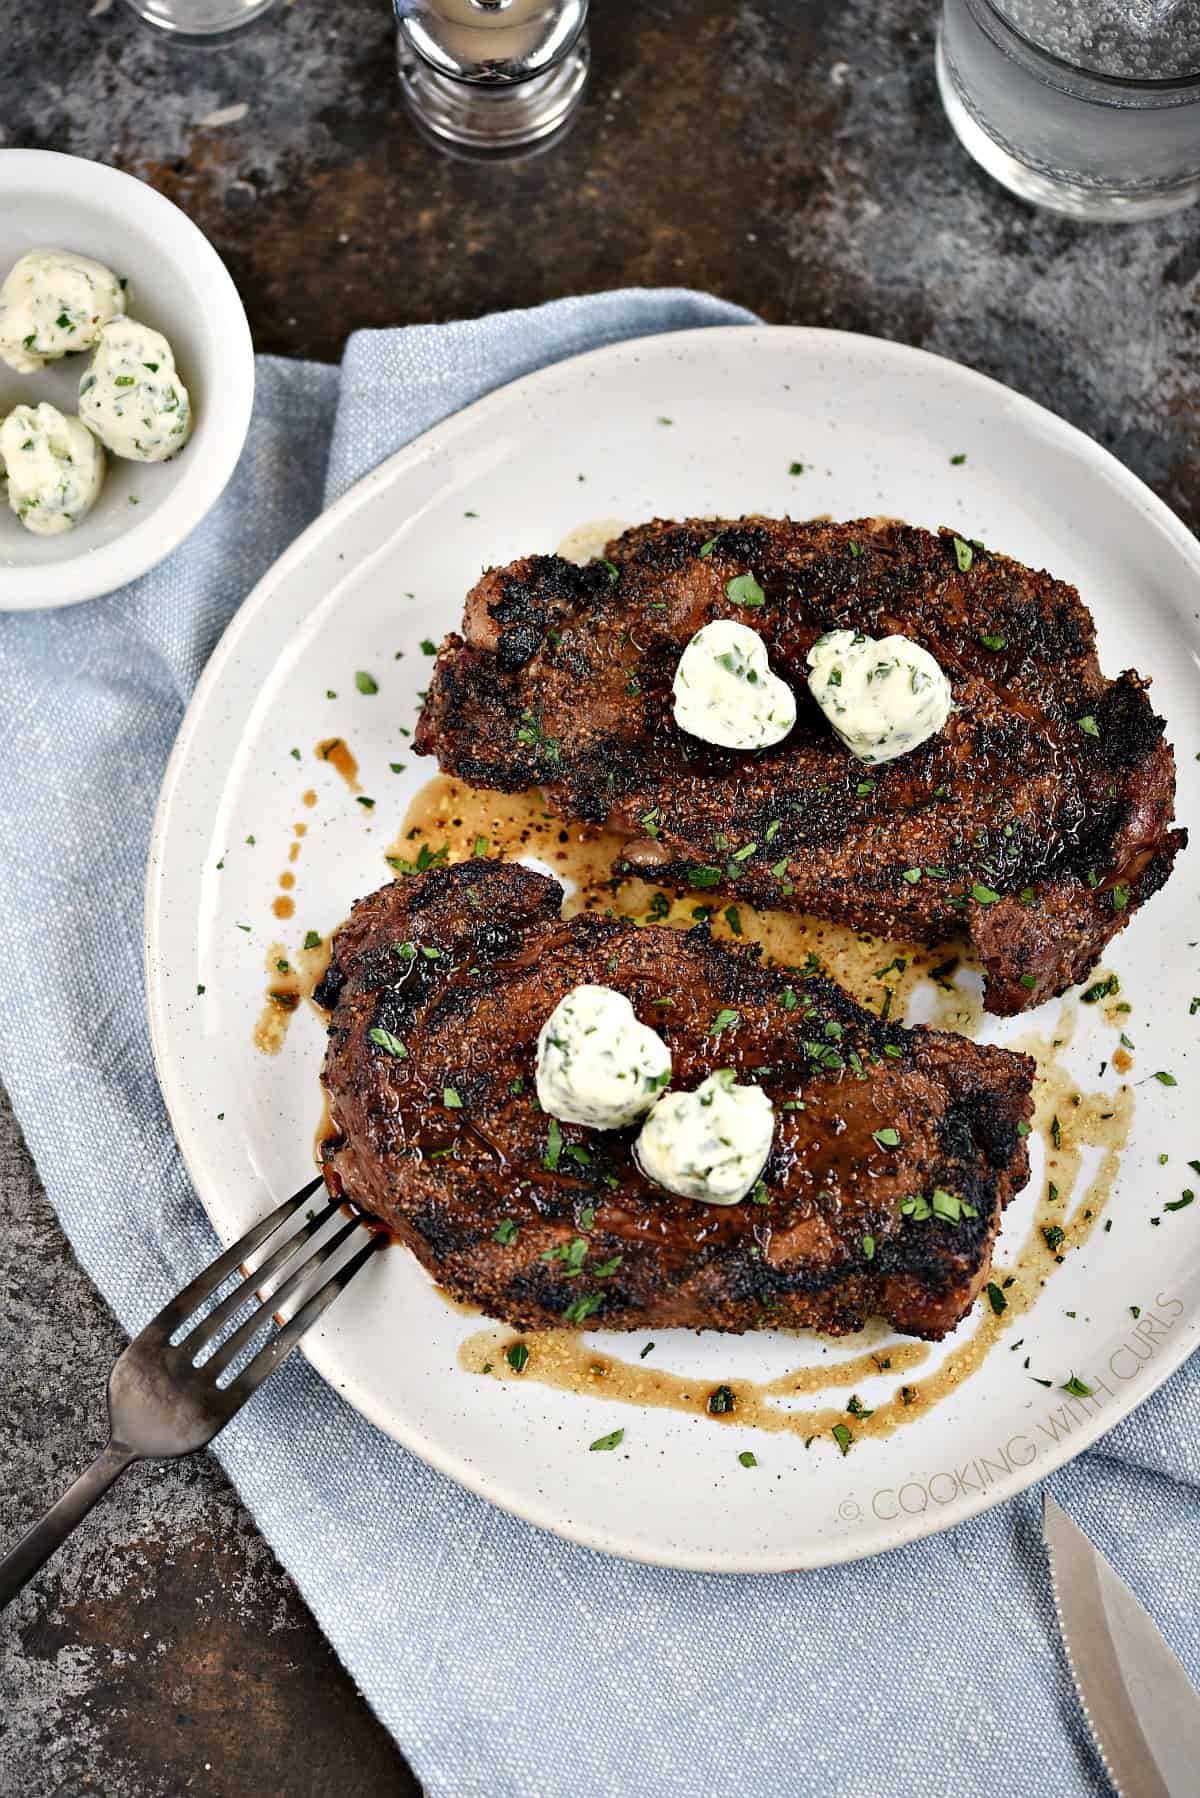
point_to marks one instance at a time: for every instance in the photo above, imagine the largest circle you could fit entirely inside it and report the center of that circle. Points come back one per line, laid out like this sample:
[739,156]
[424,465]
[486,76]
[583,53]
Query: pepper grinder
[489,78]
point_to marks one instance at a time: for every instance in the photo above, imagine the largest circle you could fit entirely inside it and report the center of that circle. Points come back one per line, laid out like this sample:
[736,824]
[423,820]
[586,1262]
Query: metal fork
[160,1403]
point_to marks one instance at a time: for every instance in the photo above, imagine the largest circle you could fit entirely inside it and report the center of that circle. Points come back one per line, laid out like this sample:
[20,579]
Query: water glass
[199,18]
[1089,107]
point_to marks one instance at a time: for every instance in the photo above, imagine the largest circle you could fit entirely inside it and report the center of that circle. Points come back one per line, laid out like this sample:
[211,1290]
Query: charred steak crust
[463,964]
[1037,821]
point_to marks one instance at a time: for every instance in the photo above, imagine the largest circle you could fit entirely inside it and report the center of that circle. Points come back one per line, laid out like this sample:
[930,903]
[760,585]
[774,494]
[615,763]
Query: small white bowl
[181,287]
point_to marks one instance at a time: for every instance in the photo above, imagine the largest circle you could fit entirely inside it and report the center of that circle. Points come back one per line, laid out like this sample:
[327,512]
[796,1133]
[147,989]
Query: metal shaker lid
[491,42]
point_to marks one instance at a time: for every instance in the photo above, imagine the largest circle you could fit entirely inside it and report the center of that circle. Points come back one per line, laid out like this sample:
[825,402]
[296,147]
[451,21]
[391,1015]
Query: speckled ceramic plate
[707,421]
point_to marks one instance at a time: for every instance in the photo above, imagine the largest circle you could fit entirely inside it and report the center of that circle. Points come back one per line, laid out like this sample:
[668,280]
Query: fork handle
[38,1544]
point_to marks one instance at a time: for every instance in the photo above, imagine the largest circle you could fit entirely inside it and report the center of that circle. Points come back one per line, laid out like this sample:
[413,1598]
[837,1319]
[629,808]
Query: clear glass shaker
[492,77]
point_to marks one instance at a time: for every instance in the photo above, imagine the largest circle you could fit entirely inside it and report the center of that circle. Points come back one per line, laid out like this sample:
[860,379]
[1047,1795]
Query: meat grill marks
[544,1224]
[1037,821]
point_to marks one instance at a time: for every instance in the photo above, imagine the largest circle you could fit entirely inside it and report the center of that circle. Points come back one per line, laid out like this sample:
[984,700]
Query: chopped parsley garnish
[1076,1387]
[964,554]
[748,1458]
[428,648]
[645,1351]
[868,1248]
[723,1020]
[391,1045]
[1101,990]
[957,461]
[505,1232]
[1055,1236]
[944,1205]
[1182,1202]
[984,895]
[554,1146]
[996,1298]
[992,640]
[1056,1131]
[1120,898]
[612,1440]
[796,468]
[1165,1079]
[1088,726]
[517,1356]
[311,940]
[532,733]
[450,1099]
[704,877]
[426,858]
[573,1253]
[706,549]
[367,804]
[856,1408]
[744,590]
[842,1437]
[788,999]
[734,919]
[584,1307]
[888,1137]
[1029,981]
[720,1401]
[912,875]
[366,683]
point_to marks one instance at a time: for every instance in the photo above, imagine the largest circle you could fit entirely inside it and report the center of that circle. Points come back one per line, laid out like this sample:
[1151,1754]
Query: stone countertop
[788,154]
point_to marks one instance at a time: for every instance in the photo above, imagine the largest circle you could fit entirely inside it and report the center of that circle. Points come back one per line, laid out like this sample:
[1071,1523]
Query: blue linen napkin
[507,1663]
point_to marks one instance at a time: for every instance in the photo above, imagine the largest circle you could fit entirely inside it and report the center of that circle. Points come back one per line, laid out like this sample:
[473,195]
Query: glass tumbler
[199,18]
[1088,107]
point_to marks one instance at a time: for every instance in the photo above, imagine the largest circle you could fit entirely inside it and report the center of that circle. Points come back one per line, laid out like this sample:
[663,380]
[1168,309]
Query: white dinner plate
[704,422]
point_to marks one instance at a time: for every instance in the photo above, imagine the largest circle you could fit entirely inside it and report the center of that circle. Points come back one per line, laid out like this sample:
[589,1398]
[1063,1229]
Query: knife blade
[1140,1705]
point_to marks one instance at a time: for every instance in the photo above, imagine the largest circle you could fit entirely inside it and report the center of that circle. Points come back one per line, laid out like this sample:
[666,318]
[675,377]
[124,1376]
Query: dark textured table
[789,155]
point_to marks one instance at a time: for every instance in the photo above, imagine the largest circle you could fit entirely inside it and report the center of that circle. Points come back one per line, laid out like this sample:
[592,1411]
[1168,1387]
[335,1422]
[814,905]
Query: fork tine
[212,1320]
[282,1344]
[233,1345]
[180,1308]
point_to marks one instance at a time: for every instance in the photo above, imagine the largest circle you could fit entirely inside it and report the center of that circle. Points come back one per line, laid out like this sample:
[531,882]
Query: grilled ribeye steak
[1037,820]
[439,985]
